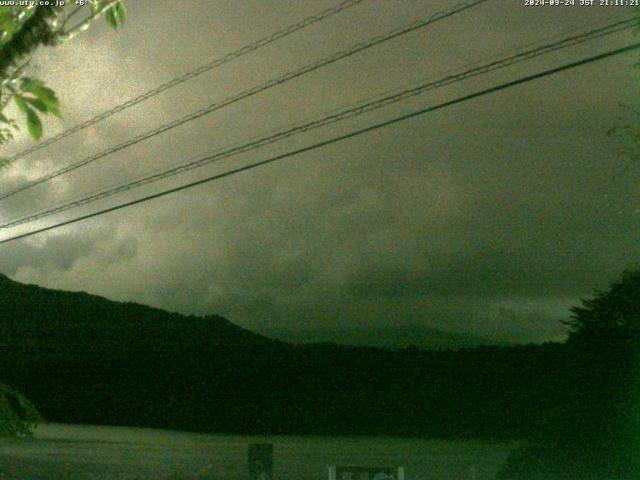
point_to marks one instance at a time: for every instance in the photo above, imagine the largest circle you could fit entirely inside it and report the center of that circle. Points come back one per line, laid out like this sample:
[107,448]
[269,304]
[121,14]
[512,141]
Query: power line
[306,22]
[249,93]
[340,138]
[330,119]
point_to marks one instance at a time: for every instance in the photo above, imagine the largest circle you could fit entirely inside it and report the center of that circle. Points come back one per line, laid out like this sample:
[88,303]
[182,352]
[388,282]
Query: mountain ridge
[381,337]
[22,301]
[81,358]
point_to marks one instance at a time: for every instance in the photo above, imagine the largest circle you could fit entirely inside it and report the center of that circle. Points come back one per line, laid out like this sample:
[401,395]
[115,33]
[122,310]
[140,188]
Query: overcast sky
[492,217]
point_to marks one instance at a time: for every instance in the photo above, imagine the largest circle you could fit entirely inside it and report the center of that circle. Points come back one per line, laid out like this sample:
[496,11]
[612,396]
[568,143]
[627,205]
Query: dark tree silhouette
[605,338]
[594,432]
[611,319]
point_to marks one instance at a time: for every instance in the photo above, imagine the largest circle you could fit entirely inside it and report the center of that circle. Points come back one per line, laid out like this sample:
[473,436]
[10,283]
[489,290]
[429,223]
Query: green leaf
[34,125]
[48,97]
[55,111]
[38,104]
[112,18]
[45,96]
[5,17]
[116,14]
[31,84]
[20,103]
[121,12]
[8,22]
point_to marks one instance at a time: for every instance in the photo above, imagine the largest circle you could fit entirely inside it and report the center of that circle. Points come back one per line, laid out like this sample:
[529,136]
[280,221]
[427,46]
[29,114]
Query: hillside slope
[85,359]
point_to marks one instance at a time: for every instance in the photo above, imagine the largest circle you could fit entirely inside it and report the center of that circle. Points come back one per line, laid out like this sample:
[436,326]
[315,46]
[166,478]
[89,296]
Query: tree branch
[35,32]
[84,25]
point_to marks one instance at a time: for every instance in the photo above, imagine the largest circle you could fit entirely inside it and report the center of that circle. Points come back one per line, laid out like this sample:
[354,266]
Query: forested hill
[85,359]
[42,318]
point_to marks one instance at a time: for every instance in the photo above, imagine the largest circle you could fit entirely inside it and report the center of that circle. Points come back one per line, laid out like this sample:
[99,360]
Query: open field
[86,452]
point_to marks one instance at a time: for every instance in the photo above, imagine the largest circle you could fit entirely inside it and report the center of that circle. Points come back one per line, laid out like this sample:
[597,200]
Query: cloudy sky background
[489,218]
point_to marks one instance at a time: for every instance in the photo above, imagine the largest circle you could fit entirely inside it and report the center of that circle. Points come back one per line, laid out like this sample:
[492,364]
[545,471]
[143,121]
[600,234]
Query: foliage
[115,15]
[22,30]
[605,331]
[566,461]
[610,319]
[17,415]
[157,369]
[7,128]
[31,97]
[597,434]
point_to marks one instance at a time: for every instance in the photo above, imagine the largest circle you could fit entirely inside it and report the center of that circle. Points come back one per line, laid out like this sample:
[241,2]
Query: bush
[17,415]
[577,461]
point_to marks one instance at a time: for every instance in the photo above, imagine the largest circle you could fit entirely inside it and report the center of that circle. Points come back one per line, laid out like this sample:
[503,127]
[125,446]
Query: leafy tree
[605,334]
[597,434]
[23,29]
[610,320]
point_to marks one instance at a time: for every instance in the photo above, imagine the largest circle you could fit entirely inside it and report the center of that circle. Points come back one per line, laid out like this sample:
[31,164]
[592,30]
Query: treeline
[84,359]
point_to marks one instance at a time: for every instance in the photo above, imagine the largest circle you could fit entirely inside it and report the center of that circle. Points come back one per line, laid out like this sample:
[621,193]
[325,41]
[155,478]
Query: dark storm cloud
[491,217]
[60,253]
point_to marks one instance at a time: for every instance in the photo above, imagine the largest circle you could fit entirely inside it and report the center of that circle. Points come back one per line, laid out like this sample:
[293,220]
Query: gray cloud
[61,253]
[491,217]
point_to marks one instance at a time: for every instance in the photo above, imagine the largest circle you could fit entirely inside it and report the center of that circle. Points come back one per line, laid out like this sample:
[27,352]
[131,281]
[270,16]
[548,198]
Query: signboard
[337,472]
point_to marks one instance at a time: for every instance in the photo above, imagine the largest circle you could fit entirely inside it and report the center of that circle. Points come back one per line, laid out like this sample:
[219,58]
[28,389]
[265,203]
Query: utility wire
[330,119]
[331,141]
[249,93]
[306,22]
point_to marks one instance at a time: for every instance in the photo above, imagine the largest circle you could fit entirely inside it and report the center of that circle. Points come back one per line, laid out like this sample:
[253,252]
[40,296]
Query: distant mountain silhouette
[386,337]
[81,358]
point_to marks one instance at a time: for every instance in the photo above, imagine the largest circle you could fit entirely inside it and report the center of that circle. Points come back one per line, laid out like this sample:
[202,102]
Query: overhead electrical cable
[306,22]
[334,140]
[329,119]
[248,93]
